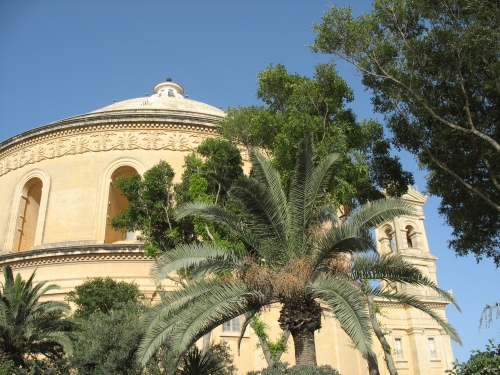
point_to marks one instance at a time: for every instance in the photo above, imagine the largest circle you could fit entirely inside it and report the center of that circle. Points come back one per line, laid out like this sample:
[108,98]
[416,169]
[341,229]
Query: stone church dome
[58,194]
[167,96]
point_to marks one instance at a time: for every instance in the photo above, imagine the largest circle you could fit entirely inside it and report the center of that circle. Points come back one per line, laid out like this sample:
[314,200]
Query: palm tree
[29,328]
[293,245]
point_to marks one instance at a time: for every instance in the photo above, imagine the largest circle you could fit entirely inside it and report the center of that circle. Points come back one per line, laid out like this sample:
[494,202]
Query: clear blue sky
[64,58]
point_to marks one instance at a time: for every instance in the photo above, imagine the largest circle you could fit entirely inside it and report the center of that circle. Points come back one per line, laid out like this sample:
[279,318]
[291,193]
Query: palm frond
[416,303]
[308,184]
[394,268]
[265,216]
[220,215]
[190,256]
[375,213]
[207,310]
[348,305]
[347,237]
[248,319]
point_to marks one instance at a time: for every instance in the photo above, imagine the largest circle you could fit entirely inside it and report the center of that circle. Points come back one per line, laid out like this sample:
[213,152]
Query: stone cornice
[101,133]
[100,252]
[112,118]
[430,301]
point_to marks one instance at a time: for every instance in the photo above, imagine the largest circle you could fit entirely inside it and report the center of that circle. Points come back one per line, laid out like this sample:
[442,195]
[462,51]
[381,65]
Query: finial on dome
[169,89]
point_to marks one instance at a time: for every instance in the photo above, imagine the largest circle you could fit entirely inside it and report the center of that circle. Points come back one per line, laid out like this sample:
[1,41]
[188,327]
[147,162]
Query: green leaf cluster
[296,106]
[283,369]
[152,198]
[260,328]
[102,295]
[434,70]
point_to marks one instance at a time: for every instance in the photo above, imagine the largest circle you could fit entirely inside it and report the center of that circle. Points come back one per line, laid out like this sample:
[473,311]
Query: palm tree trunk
[305,347]
[302,317]
[378,332]
[372,364]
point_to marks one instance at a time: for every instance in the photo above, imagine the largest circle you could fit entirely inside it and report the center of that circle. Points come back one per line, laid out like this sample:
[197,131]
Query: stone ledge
[99,250]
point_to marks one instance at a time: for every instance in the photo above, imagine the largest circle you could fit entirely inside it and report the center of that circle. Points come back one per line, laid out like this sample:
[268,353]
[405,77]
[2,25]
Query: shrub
[282,369]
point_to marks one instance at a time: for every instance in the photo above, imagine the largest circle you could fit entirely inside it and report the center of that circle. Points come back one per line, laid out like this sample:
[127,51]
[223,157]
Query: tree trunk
[305,347]
[378,332]
[285,341]
[302,317]
[372,364]
[266,351]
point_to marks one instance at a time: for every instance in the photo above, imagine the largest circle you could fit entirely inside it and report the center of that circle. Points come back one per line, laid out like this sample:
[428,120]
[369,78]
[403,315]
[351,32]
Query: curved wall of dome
[57,184]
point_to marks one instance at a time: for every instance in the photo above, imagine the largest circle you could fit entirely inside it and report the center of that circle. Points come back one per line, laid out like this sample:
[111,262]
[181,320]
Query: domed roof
[167,105]
[168,96]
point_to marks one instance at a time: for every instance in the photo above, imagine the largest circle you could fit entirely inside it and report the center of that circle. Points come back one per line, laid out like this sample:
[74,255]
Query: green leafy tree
[296,106]
[153,196]
[108,327]
[102,295]
[215,163]
[480,362]
[30,329]
[290,245]
[106,342]
[434,70]
[150,208]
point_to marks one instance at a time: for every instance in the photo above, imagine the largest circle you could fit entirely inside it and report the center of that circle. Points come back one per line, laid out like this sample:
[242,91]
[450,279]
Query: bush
[282,369]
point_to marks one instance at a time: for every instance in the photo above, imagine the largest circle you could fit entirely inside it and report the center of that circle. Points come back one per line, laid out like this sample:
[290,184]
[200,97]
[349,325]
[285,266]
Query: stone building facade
[58,198]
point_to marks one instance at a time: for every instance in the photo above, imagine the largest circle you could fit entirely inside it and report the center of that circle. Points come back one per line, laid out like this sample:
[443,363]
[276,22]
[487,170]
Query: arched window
[388,233]
[29,210]
[411,238]
[116,203]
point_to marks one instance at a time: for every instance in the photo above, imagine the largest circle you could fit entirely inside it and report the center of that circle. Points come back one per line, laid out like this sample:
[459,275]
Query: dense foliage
[152,198]
[283,369]
[150,207]
[433,68]
[106,342]
[102,295]
[480,363]
[296,106]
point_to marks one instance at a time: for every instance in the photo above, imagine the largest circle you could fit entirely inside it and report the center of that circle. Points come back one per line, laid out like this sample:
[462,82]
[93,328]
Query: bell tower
[421,346]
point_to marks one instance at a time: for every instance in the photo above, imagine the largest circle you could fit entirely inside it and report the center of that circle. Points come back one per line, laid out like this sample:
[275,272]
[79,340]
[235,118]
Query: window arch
[110,172]
[27,218]
[117,203]
[27,215]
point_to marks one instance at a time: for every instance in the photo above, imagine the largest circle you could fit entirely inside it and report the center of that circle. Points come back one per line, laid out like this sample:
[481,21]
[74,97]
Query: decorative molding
[74,254]
[79,141]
